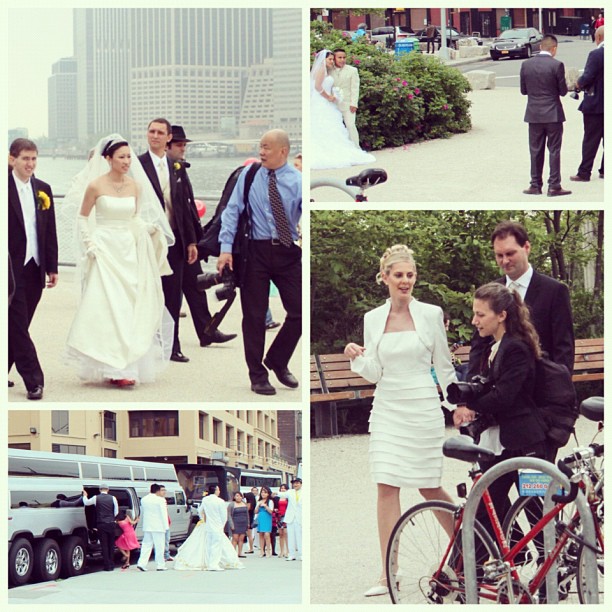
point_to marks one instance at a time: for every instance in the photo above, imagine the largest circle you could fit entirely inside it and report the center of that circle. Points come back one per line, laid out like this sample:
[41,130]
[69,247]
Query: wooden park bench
[332,383]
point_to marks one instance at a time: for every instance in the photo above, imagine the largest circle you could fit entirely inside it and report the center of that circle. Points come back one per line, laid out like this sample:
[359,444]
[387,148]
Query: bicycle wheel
[415,556]
[580,574]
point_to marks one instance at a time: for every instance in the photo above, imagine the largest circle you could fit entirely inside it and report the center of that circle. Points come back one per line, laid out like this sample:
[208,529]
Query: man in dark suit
[591,82]
[33,251]
[543,82]
[198,305]
[164,179]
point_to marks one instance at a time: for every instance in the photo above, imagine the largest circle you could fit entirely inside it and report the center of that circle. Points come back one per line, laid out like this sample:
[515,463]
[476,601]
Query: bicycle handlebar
[573,492]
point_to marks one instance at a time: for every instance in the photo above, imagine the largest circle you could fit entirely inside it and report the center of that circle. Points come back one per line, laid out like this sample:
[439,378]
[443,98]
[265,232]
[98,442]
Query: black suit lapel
[14,200]
[533,291]
[151,172]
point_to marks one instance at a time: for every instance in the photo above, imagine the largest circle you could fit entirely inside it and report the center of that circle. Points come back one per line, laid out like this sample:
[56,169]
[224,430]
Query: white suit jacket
[154,510]
[429,324]
[293,514]
[347,80]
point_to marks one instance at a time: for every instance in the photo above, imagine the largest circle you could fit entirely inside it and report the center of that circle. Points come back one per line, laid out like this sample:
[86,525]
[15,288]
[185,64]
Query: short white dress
[406,422]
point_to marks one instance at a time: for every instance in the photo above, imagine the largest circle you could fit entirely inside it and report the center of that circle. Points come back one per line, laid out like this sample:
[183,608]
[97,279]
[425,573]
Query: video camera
[206,280]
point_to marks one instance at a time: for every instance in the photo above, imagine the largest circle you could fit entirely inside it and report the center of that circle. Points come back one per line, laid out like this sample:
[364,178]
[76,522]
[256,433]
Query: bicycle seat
[463,448]
[367,178]
[593,408]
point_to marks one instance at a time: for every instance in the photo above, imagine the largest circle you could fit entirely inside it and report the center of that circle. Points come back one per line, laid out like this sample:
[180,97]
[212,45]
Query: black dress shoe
[580,179]
[11,384]
[558,192]
[284,375]
[218,337]
[263,388]
[533,191]
[36,393]
[601,175]
[178,356]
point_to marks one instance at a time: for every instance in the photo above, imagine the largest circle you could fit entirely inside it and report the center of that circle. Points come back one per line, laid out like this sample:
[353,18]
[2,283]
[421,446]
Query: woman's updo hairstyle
[112,145]
[393,255]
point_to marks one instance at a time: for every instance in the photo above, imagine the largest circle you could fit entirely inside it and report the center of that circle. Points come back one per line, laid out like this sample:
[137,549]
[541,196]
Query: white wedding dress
[119,330]
[330,144]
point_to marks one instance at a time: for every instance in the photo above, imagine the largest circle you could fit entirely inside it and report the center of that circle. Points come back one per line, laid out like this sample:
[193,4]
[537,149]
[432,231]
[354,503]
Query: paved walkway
[216,373]
[490,163]
[344,537]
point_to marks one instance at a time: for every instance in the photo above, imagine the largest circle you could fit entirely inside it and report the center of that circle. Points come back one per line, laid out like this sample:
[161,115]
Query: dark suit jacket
[510,402]
[183,219]
[45,231]
[543,82]
[549,305]
[592,82]
[187,190]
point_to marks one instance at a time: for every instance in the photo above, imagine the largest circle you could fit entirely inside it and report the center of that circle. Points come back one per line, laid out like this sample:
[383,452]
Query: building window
[73,449]
[203,426]
[109,452]
[260,448]
[110,425]
[250,448]
[217,432]
[153,423]
[229,435]
[60,422]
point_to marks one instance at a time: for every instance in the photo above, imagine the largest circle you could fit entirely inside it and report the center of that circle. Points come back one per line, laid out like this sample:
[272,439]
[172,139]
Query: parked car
[452,36]
[388,35]
[521,42]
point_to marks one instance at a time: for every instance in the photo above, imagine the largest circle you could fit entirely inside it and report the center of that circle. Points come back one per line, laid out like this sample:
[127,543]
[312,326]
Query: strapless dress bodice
[328,83]
[115,208]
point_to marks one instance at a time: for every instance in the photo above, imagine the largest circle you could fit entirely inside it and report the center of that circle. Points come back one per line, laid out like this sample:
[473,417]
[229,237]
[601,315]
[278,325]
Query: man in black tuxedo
[198,305]
[543,82]
[171,196]
[33,251]
[591,82]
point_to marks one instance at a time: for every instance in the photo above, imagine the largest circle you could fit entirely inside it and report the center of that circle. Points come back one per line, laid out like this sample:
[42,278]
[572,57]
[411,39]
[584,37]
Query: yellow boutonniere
[177,166]
[44,202]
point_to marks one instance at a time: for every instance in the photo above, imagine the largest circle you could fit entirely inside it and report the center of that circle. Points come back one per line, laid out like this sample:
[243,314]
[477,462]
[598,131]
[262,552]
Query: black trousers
[198,304]
[173,286]
[106,533]
[542,135]
[21,349]
[593,136]
[432,41]
[282,265]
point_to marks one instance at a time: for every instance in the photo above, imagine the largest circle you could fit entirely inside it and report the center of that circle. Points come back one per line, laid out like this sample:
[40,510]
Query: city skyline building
[62,102]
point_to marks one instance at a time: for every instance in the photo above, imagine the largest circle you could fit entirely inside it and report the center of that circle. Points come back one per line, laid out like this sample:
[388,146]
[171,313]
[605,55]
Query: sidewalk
[344,538]
[216,373]
[490,163]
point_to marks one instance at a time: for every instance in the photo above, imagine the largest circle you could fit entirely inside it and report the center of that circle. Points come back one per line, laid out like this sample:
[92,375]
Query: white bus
[51,532]
[258,478]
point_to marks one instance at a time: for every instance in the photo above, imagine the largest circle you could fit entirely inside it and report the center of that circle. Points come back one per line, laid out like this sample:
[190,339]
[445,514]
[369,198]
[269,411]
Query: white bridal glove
[88,243]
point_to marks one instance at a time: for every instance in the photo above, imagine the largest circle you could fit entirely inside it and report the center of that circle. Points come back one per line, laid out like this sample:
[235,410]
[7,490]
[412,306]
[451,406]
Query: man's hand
[462,415]
[192,253]
[353,109]
[225,258]
[52,279]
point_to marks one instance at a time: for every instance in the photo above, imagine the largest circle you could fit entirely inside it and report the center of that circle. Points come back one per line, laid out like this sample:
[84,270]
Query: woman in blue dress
[264,509]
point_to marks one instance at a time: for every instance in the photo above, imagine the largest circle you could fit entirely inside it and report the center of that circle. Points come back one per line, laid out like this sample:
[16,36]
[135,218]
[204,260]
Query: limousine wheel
[21,559]
[73,557]
[47,560]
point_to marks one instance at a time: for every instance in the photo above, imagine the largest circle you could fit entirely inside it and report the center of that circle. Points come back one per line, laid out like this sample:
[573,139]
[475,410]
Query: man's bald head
[599,35]
[274,149]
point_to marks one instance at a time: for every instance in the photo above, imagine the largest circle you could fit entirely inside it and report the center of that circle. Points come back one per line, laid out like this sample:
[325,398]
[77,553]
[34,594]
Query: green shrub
[402,100]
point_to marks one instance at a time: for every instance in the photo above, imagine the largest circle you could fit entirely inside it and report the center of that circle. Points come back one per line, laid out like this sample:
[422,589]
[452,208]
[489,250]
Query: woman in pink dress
[127,541]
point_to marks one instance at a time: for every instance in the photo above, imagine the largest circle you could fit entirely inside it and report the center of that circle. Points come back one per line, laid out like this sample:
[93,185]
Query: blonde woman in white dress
[401,340]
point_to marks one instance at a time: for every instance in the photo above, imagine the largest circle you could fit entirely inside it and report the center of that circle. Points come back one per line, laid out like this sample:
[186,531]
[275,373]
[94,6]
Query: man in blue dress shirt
[275,208]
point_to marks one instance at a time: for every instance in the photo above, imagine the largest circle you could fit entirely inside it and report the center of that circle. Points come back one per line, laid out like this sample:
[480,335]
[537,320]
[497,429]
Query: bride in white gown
[330,144]
[208,548]
[119,333]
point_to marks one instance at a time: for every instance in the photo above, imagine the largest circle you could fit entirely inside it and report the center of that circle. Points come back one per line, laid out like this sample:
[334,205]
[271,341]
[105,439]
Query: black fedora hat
[178,134]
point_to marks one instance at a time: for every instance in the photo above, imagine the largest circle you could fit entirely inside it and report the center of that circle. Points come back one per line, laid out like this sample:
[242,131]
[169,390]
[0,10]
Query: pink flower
[395,89]
[410,96]
[417,91]
[356,62]
[404,83]
[398,80]
[445,107]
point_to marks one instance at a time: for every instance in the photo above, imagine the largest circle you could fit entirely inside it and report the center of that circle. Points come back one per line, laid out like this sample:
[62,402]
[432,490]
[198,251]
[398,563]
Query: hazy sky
[37,38]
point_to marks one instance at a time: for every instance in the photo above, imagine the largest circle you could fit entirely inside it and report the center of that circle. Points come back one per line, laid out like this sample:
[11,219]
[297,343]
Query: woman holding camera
[402,337]
[506,400]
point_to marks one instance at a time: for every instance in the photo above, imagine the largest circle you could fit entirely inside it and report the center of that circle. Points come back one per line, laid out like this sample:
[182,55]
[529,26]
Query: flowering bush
[402,100]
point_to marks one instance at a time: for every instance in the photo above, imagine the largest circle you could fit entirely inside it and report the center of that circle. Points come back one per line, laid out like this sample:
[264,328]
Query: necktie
[278,211]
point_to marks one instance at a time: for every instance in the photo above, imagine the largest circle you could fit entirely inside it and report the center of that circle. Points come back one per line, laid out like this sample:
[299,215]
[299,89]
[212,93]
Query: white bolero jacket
[429,324]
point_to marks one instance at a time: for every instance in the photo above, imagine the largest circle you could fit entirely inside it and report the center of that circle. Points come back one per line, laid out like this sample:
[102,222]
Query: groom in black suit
[543,82]
[33,252]
[160,171]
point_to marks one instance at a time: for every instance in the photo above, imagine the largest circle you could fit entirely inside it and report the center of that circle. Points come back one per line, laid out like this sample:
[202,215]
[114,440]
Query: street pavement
[345,557]
[216,373]
[263,581]
[490,163]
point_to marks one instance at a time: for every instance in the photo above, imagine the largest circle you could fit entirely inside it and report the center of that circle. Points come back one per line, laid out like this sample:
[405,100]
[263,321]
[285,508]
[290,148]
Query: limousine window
[44,499]
[116,472]
[161,474]
[26,466]
[138,473]
[90,470]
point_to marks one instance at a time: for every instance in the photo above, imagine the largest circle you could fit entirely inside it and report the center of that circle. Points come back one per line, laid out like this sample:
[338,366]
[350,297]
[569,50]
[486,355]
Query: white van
[51,532]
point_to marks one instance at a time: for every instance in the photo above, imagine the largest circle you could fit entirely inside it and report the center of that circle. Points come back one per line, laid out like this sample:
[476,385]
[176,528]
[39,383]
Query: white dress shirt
[521,284]
[27,200]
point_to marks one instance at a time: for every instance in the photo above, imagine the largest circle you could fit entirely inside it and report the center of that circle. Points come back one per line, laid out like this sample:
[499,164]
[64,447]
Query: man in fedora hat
[198,305]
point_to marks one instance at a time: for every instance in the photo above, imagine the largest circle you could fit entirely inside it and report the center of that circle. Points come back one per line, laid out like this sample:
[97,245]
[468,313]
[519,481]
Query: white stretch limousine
[50,532]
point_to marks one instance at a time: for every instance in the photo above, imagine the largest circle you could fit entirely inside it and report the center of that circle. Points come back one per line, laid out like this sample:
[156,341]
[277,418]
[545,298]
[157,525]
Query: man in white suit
[154,521]
[346,78]
[293,519]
